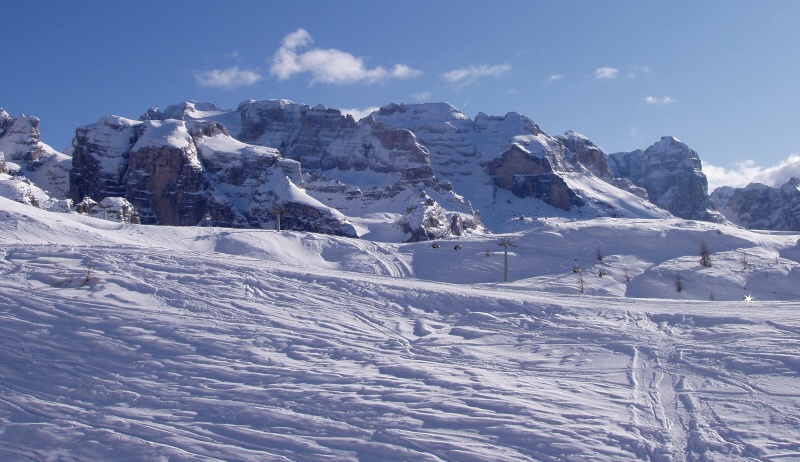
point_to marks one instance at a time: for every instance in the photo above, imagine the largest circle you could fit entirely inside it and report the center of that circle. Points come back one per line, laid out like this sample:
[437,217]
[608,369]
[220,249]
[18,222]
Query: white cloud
[654,100]
[636,70]
[229,78]
[423,96]
[606,73]
[555,78]
[329,65]
[468,75]
[359,114]
[749,172]
[401,71]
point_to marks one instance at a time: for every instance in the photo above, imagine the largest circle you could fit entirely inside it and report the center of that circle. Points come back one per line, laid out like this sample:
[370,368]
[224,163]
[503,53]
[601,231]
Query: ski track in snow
[123,351]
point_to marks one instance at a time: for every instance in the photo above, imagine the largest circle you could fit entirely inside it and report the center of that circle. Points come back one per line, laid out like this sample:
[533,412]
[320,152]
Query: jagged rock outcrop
[527,175]
[20,140]
[671,174]
[178,172]
[426,220]
[110,208]
[27,155]
[3,168]
[596,161]
[588,154]
[759,206]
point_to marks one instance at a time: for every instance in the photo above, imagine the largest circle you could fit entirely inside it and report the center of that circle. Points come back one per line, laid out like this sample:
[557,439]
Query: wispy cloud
[749,172]
[555,78]
[229,78]
[471,74]
[329,65]
[659,101]
[606,73]
[422,96]
[637,70]
[359,114]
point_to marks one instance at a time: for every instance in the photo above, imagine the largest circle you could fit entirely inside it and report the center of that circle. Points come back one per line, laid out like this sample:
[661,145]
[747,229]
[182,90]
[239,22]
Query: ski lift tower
[278,210]
[505,242]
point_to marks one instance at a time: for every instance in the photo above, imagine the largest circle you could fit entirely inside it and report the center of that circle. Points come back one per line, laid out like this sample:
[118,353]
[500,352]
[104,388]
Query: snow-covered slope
[159,343]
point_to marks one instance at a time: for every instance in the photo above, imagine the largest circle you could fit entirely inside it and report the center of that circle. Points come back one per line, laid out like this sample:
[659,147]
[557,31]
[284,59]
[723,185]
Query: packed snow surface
[154,343]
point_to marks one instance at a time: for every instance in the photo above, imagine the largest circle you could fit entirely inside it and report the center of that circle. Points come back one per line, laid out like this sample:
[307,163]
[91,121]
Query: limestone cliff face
[100,154]
[587,153]
[178,172]
[526,175]
[671,174]
[509,152]
[166,181]
[758,206]
[382,159]
[323,139]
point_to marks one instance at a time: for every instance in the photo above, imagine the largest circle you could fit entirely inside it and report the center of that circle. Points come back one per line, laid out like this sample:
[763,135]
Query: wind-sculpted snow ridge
[141,342]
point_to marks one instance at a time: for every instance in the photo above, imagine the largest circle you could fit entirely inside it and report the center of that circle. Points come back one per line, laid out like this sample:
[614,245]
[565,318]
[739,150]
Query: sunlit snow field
[125,342]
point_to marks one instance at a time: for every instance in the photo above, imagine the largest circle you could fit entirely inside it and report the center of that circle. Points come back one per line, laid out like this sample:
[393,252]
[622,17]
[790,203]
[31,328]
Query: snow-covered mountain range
[405,172]
[426,171]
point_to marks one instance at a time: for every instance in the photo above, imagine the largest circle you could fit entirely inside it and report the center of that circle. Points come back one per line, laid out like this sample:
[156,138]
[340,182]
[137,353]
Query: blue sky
[722,76]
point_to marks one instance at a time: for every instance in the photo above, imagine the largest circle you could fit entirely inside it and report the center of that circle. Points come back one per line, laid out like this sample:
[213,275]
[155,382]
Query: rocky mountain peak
[792,186]
[671,173]
[186,110]
[20,139]
[589,155]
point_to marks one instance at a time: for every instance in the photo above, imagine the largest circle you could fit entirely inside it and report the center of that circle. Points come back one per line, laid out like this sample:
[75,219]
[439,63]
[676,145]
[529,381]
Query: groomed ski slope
[147,343]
